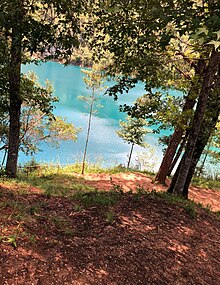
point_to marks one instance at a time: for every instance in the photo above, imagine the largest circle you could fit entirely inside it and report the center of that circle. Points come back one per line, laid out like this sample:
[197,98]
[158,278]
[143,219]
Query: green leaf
[215,43]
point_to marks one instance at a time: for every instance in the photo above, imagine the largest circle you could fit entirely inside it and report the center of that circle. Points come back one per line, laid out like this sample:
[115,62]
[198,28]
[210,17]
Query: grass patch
[62,225]
[97,198]
[188,205]
[206,183]
[62,185]
[31,169]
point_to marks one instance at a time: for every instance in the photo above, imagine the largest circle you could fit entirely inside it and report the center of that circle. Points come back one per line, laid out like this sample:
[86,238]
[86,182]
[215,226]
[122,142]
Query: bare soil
[131,181]
[138,240]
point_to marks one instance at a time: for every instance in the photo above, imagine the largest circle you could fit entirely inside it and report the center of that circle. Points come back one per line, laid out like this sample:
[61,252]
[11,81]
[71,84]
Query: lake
[104,144]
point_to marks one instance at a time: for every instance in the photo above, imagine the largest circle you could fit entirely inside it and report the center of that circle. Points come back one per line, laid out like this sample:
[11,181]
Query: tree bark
[88,131]
[201,168]
[177,156]
[169,160]
[174,143]
[207,128]
[169,155]
[14,96]
[130,154]
[178,185]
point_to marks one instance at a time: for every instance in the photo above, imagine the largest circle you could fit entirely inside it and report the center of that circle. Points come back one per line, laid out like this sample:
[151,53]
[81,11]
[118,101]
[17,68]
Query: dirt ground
[139,240]
[130,181]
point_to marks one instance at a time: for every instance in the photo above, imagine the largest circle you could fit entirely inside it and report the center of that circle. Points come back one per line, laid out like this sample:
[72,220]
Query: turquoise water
[104,144]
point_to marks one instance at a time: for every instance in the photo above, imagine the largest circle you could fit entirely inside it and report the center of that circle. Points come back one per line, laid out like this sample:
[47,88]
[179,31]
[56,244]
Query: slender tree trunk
[130,154]
[201,168]
[177,156]
[3,160]
[183,170]
[88,131]
[14,96]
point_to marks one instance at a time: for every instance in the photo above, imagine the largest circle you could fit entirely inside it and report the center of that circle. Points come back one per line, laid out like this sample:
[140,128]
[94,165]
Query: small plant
[2,172]
[110,217]
[33,210]
[31,166]
[11,239]
[117,169]
[59,222]
[48,193]
[140,190]
[190,209]
[116,187]
[133,131]
[62,225]
[77,208]
[68,231]
[32,238]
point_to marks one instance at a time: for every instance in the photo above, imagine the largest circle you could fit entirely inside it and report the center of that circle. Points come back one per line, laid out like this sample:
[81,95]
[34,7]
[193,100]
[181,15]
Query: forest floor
[74,234]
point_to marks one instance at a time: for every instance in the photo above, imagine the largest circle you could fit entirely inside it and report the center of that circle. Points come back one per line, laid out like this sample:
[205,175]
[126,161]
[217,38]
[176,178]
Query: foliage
[94,82]
[207,182]
[147,161]
[214,151]
[38,124]
[133,131]
[47,30]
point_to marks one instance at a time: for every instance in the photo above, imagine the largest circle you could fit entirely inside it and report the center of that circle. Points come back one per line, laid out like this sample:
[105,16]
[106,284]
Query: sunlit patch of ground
[56,229]
[133,181]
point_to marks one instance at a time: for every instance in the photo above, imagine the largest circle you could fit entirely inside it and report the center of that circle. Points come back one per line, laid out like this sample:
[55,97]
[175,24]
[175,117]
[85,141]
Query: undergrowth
[206,183]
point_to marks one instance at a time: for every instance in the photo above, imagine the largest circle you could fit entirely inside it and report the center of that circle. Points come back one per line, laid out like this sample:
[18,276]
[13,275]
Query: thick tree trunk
[177,156]
[175,140]
[15,102]
[170,157]
[130,154]
[178,184]
[13,146]
[207,128]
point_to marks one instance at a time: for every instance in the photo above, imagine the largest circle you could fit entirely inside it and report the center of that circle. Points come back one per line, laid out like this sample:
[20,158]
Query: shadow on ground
[138,239]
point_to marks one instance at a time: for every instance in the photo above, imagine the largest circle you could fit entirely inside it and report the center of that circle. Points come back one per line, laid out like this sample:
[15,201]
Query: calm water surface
[104,144]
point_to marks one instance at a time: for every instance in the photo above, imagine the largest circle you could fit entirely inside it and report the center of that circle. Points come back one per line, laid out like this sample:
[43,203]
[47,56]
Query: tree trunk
[175,140]
[169,160]
[201,168]
[207,128]
[15,98]
[168,156]
[88,131]
[178,154]
[3,160]
[185,164]
[129,158]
